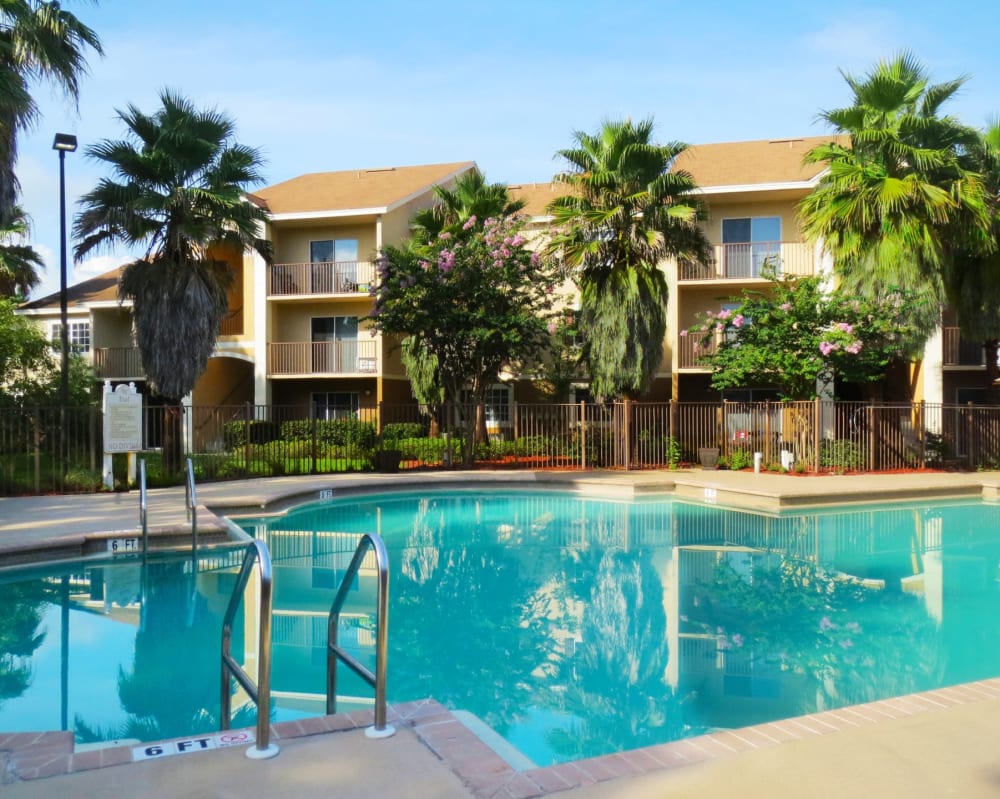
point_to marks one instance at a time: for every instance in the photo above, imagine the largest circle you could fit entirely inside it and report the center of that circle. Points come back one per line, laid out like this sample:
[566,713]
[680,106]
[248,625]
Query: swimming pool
[570,626]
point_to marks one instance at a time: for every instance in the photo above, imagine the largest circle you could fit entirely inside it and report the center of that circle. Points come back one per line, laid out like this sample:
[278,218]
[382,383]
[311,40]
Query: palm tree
[19,263]
[178,189]
[902,190]
[38,40]
[472,196]
[627,211]
[892,194]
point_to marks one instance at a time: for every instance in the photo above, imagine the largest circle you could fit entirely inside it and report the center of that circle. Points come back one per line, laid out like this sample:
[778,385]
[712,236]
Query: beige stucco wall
[110,327]
[293,321]
[720,209]
[291,242]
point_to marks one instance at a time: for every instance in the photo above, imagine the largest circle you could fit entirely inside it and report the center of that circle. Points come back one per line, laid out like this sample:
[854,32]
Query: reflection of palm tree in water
[615,682]
[20,617]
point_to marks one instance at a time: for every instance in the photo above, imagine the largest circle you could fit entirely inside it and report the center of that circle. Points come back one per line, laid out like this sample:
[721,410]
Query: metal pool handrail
[191,501]
[260,692]
[374,542]
[143,505]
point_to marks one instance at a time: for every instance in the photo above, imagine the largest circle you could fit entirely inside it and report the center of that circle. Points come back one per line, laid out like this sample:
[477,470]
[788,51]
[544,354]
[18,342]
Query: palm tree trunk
[173,440]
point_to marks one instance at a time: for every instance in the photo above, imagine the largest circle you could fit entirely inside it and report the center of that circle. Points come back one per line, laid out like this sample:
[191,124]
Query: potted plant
[708,457]
[387,455]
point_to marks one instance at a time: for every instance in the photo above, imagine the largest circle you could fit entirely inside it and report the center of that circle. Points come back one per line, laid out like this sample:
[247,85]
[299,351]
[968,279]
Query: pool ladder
[190,504]
[334,652]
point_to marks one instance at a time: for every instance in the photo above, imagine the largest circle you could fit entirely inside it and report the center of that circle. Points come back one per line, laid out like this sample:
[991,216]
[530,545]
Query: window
[335,265]
[496,405]
[750,243]
[335,405]
[335,343]
[79,337]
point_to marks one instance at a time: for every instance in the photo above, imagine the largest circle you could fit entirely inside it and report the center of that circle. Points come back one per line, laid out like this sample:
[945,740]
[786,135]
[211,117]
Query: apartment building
[296,334]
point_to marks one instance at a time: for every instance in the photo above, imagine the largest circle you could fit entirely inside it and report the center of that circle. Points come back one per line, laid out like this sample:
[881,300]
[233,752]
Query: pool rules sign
[122,427]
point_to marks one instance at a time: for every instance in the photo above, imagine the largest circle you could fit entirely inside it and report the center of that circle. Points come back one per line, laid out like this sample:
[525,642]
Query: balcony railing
[691,353]
[326,277]
[748,260]
[112,363]
[349,357]
[962,352]
[232,324]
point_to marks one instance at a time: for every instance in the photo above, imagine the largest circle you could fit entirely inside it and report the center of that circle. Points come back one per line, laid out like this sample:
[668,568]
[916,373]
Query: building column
[261,387]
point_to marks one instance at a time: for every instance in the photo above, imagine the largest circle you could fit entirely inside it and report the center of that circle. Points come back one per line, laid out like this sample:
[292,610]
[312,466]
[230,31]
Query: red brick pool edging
[30,756]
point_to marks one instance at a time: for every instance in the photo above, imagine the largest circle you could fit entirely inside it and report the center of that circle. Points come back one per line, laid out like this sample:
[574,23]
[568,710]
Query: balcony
[961,352]
[338,358]
[117,363]
[232,323]
[691,353]
[746,260]
[323,278]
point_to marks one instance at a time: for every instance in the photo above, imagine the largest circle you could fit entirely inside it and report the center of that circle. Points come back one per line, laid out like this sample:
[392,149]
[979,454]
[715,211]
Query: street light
[64,143]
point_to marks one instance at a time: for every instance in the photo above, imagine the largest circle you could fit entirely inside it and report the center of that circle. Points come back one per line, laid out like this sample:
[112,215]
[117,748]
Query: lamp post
[64,143]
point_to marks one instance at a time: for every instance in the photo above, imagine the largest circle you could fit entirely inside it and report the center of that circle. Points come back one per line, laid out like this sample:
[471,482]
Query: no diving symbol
[230,739]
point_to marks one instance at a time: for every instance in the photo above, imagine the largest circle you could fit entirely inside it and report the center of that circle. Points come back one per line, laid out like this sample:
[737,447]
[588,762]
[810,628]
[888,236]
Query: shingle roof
[537,195]
[748,163]
[356,188]
[103,288]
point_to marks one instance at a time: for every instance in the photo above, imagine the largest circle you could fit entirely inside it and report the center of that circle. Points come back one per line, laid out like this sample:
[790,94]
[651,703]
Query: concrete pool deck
[942,743]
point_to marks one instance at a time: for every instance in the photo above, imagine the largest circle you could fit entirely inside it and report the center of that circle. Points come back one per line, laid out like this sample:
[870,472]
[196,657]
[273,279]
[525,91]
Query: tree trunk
[173,440]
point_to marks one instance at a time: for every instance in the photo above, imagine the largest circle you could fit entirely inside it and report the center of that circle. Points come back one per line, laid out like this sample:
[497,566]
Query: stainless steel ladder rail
[260,692]
[191,503]
[334,652]
[143,505]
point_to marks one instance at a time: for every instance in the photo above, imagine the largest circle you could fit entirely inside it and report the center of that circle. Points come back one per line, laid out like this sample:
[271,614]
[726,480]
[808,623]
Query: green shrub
[738,459]
[401,430]
[239,433]
[840,453]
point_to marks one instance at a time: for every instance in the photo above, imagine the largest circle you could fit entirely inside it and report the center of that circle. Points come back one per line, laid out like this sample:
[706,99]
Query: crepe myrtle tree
[476,298]
[797,338]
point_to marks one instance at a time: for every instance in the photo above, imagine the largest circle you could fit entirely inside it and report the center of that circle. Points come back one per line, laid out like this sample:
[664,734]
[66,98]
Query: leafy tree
[178,189]
[972,278]
[903,192]
[796,338]
[38,41]
[19,263]
[476,299]
[24,351]
[627,210]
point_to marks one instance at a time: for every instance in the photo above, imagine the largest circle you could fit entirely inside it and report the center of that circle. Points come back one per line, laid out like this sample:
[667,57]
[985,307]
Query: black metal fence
[60,450]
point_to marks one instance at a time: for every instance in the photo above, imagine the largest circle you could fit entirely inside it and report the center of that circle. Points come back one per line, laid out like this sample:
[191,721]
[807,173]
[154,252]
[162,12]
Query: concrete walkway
[935,745]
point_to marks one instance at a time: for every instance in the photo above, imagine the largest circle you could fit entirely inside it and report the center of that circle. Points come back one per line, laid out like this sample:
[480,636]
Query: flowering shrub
[796,338]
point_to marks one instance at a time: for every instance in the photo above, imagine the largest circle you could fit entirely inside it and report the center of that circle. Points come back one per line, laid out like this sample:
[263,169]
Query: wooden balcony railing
[691,353]
[111,363]
[232,325]
[326,277]
[747,260]
[962,352]
[349,357]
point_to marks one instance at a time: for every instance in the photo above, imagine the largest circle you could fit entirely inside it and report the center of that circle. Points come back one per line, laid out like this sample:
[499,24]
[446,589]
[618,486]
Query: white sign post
[122,427]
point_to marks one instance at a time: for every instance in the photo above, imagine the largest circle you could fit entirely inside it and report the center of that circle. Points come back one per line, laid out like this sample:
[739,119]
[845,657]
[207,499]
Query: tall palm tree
[38,40]
[895,192]
[19,263]
[626,212]
[178,189]
[901,191]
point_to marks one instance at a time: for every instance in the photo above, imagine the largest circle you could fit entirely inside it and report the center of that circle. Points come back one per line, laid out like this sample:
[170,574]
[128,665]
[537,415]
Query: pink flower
[470,222]
[846,327]
[785,306]
[683,333]
[853,348]
[738,320]
[720,327]
[552,327]
[724,314]
[826,348]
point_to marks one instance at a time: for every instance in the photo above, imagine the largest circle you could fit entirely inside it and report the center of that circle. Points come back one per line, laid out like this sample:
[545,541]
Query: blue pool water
[571,626]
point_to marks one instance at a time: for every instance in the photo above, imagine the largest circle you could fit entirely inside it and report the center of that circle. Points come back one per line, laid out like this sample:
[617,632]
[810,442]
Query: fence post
[817,411]
[767,432]
[312,468]
[969,459]
[627,406]
[37,438]
[921,420]
[248,415]
[583,434]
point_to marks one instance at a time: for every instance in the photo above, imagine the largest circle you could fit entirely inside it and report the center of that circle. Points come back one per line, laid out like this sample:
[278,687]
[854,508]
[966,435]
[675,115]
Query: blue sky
[325,85]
